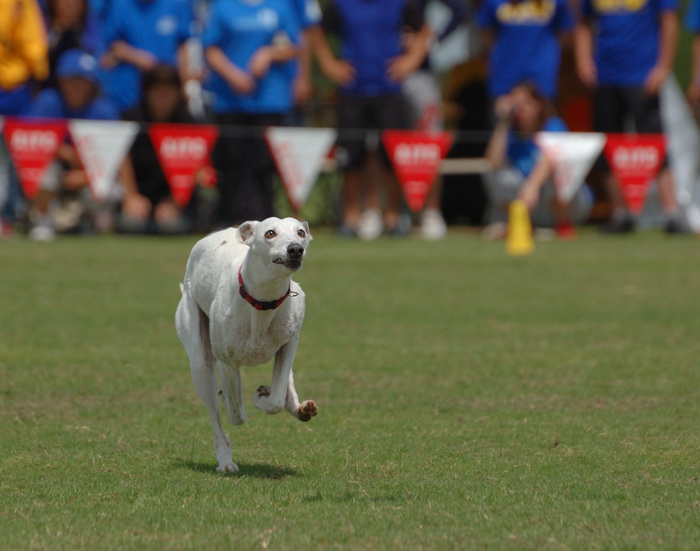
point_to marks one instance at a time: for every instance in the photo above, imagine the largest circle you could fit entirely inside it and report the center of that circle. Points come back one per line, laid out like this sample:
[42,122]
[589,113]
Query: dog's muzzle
[295,256]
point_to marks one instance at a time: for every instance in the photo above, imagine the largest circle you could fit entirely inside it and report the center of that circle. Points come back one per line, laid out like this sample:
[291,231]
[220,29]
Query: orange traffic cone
[519,239]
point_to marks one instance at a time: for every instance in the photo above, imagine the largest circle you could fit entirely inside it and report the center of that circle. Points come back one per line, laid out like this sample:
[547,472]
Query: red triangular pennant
[635,159]
[183,150]
[416,158]
[33,145]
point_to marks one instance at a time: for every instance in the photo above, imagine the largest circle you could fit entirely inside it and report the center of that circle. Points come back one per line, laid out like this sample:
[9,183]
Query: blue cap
[78,63]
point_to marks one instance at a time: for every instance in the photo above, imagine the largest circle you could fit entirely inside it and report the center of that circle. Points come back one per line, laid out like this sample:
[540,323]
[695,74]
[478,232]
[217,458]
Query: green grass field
[469,400]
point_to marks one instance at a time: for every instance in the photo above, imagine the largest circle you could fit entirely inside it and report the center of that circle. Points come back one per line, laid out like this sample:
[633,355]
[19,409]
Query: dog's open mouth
[289,264]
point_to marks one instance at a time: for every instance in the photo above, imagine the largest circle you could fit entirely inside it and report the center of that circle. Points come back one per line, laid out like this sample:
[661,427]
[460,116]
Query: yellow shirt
[23,43]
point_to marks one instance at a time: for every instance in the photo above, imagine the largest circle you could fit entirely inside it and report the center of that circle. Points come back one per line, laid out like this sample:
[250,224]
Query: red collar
[258,305]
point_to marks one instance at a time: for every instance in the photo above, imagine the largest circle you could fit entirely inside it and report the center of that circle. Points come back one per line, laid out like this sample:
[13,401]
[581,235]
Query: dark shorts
[358,116]
[614,106]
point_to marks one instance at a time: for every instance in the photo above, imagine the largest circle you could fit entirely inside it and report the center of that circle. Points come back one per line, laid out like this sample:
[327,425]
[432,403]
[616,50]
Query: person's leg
[351,157]
[646,111]
[609,114]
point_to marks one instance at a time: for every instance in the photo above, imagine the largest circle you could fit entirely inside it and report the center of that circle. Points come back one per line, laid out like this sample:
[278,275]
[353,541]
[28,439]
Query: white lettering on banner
[636,158]
[417,153]
[192,147]
[44,141]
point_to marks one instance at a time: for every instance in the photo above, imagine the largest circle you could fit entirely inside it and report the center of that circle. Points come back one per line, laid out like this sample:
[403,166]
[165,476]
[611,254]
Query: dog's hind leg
[193,330]
[232,391]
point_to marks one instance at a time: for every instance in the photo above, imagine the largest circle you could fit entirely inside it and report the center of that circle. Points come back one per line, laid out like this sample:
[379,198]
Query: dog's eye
[301,233]
[269,234]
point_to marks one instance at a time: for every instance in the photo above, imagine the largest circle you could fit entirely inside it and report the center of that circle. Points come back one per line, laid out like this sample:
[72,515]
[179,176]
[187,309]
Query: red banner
[416,158]
[33,145]
[183,150]
[635,159]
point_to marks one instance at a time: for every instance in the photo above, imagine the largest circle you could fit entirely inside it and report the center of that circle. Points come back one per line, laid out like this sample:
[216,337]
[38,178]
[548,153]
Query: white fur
[219,328]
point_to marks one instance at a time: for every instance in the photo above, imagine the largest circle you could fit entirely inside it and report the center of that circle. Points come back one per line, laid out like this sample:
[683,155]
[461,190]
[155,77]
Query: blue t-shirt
[157,26]
[526,45]
[692,16]
[370,32]
[50,105]
[239,29]
[626,38]
[522,150]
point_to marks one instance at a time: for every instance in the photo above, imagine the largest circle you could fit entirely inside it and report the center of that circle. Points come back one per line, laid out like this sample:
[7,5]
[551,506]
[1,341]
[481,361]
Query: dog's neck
[269,289]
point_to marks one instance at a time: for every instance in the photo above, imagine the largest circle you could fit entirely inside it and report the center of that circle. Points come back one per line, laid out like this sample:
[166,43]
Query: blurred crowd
[247,64]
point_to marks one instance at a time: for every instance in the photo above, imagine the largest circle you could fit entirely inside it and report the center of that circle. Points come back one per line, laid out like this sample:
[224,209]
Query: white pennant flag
[299,154]
[572,155]
[102,146]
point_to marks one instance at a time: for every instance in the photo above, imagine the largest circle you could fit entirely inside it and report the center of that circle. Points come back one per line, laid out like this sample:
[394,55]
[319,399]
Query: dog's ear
[246,231]
[308,231]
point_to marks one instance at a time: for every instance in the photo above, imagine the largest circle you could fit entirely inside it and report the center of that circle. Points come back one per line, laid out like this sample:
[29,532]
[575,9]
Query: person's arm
[694,86]
[238,79]
[583,54]
[338,70]
[668,43]
[497,147]
[281,50]
[541,173]
[302,81]
[498,143]
[405,64]
[121,51]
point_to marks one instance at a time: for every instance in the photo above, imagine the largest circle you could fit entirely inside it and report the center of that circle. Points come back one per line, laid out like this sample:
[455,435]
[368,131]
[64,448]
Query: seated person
[77,96]
[148,206]
[520,171]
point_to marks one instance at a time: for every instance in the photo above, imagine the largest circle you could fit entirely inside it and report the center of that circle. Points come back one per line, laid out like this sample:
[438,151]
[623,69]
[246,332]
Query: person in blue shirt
[77,96]
[138,35]
[247,44]
[692,23]
[371,66]
[624,51]
[523,37]
[519,170]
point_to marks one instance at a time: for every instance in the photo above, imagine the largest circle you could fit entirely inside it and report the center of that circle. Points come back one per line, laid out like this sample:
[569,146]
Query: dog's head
[284,241]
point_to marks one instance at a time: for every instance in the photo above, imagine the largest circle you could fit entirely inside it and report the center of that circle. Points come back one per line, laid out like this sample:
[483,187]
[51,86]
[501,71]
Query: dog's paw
[307,410]
[262,401]
[227,468]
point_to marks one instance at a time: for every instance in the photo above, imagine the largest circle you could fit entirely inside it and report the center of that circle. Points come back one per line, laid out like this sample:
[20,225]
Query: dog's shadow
[257,470]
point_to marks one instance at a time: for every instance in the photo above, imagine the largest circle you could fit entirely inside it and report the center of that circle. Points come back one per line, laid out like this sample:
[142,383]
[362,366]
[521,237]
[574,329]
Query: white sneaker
[432,225]
[370,226]
[494,231]
[42,233]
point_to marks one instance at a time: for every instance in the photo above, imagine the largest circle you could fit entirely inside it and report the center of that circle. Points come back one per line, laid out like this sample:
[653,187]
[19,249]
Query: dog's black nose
[295,251]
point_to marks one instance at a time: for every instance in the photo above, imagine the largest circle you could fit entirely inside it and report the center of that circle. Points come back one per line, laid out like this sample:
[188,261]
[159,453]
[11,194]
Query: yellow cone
[519,239]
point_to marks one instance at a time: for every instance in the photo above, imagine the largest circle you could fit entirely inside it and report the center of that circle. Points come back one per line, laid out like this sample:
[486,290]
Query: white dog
[239,306]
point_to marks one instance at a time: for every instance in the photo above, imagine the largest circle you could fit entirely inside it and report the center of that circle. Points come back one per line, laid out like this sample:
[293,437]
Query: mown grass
[469,400]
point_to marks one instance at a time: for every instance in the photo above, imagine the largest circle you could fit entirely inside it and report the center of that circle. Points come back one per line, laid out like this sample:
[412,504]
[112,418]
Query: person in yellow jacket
[23,53]
[23,59]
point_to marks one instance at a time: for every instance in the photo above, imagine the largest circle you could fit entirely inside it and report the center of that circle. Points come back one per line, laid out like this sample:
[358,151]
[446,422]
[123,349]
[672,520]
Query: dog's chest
[253,342]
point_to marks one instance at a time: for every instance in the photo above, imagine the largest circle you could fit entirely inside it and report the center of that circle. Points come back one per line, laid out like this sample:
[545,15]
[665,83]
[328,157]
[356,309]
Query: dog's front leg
[281,394]
[304,411]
